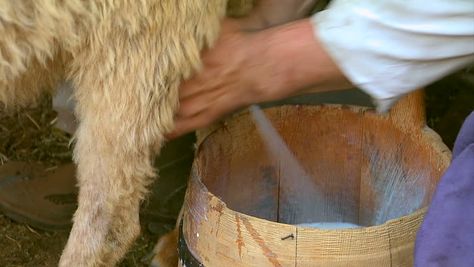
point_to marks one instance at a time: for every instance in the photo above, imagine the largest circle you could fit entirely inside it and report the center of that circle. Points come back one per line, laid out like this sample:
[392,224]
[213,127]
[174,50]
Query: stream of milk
[301,197]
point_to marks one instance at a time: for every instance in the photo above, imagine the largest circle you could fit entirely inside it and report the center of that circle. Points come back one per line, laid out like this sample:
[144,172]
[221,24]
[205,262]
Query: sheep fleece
[126,59]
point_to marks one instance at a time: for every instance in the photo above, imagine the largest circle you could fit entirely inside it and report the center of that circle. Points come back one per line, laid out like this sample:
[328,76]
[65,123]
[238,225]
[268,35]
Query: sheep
[126,59]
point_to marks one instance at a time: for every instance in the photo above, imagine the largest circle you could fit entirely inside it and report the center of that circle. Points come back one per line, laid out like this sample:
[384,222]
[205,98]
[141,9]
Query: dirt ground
[30,136]
[21,245]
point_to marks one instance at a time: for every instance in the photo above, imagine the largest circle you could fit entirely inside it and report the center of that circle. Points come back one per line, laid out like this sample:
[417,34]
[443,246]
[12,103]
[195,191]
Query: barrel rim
[426,133]
[391,240]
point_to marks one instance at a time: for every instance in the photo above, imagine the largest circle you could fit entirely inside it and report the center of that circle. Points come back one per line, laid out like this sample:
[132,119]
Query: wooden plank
[218,236]
[343,248]
[238,169]
[327,142]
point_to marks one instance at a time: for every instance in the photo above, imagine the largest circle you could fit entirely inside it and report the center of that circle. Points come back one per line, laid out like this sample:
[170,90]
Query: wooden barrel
[243,205]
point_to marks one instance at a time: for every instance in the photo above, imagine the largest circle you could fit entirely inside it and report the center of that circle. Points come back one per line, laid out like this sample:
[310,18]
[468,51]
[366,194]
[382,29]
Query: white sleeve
[390,47]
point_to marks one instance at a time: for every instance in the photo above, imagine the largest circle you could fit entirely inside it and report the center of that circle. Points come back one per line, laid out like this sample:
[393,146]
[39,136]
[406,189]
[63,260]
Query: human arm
[258,67]
[386,48]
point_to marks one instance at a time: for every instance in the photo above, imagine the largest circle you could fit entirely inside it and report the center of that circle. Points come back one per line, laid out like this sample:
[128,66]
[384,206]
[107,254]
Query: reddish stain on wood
[219,207]
[272,257]
[240,240]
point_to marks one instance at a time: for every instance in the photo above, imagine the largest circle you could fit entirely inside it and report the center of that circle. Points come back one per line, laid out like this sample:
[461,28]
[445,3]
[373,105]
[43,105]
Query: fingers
[201,83]
[186,125]
[190,106]
[204,114]
[221,87]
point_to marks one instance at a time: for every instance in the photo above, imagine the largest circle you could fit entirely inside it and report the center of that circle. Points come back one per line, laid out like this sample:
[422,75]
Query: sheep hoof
[165,253]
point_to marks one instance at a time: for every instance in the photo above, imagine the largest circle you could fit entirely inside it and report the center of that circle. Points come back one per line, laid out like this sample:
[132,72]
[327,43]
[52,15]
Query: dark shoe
[42,198]
[46,199]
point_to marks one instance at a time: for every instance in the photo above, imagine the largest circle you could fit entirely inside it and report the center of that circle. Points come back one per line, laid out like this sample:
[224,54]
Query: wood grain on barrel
[346,151]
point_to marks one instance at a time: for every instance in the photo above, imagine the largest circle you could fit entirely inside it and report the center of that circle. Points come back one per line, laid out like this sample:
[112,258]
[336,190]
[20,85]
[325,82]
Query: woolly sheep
[126,59]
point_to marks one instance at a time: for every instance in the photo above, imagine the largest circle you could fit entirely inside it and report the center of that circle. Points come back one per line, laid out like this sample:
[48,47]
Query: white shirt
[390,47]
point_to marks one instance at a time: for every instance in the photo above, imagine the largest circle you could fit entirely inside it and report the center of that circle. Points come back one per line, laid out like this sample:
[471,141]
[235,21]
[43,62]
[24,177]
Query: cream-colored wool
[126,59]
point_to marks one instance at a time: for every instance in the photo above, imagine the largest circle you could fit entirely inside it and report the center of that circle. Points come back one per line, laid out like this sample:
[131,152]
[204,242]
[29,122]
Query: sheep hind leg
[165,252]
[113,153]
[126,96]
[107,220]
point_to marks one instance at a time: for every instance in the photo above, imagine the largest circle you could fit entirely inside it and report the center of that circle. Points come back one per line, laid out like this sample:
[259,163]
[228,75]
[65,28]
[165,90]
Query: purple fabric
[446,237]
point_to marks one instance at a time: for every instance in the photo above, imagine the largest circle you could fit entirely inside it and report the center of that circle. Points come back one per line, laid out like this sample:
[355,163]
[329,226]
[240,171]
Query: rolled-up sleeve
[389,48]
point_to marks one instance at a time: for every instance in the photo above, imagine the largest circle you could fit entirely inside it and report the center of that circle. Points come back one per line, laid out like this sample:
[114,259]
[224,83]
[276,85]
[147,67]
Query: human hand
[226,83]
[244,68]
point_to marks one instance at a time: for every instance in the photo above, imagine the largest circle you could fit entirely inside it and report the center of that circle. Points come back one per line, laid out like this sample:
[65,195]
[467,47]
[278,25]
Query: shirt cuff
[390,48]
